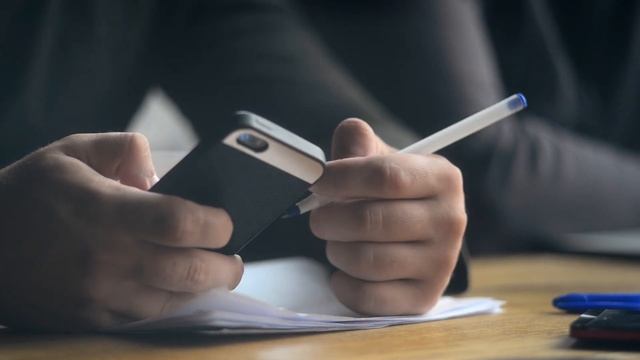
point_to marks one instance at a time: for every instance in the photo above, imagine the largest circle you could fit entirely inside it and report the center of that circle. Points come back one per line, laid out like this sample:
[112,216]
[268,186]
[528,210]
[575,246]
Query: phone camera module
[252,142]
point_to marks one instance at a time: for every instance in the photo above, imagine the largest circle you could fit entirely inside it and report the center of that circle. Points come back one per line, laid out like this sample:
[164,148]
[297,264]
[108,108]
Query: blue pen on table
[438,140]
[580,302]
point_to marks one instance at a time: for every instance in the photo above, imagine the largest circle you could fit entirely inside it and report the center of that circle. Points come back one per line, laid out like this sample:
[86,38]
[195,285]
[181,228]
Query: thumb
[120,156]
[353,138]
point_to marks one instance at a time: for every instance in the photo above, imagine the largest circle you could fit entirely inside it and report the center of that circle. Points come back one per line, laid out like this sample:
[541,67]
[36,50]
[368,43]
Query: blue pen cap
[518,102]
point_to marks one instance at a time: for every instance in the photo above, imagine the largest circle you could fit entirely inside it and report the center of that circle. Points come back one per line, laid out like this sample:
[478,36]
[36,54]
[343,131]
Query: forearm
[541,179]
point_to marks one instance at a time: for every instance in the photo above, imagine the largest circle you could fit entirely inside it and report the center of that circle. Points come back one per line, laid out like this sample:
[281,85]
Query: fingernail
[154,179]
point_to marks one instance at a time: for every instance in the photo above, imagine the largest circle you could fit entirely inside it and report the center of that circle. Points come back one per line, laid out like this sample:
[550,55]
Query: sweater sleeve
[545,180]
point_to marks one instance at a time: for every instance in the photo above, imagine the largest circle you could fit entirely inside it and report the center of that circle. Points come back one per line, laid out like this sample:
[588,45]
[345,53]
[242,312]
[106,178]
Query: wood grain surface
[529,327]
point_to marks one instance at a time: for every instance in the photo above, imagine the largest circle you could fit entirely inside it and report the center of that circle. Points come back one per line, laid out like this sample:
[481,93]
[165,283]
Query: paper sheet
[287,296]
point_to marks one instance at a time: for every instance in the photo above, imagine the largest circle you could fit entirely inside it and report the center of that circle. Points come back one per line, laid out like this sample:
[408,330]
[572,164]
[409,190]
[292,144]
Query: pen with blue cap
[580,302]
[439,140]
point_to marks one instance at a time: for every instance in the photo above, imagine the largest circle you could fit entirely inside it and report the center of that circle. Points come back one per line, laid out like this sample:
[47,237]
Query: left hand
[395,231]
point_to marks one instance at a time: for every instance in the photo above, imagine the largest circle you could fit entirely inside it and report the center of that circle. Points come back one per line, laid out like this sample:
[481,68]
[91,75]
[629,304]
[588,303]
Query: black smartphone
[255,172]
[607,325]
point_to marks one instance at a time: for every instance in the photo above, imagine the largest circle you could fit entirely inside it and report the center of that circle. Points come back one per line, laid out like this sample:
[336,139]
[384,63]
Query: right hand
[83,245]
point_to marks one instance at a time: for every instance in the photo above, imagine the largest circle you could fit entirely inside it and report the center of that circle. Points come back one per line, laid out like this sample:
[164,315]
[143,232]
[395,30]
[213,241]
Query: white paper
[287,296]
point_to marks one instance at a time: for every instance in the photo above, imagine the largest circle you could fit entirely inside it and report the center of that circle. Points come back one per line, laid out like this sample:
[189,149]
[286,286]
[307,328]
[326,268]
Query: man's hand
[396,227]
[83,245]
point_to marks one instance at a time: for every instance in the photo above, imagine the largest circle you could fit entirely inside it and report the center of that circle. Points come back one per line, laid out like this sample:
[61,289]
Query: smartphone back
[256,172]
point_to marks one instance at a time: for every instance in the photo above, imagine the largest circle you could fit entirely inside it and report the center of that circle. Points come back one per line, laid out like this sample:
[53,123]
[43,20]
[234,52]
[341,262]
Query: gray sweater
[570,163]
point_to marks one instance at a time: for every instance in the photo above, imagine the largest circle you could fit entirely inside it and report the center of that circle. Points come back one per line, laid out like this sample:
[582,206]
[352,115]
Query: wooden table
[529,328]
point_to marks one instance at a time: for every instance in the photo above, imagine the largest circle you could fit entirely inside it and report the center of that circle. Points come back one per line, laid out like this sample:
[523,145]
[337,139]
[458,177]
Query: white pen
[439,140]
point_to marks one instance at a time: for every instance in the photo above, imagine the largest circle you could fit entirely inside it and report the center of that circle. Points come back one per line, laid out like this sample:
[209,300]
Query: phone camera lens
[252,142]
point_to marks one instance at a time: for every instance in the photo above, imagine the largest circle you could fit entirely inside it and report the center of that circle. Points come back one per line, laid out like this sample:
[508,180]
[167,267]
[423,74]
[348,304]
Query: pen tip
[291,212]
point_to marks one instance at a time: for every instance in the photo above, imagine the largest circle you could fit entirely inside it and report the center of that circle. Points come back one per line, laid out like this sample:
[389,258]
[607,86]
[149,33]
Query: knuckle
[69,142]
[74,138]
[176,221]
[137,143]
[47,161]
[373,262]
[453,179]
[455,223]
[395,179]
[460,220]
[371,219]
[138,139]
[38,164]
[178,228]
[196,275]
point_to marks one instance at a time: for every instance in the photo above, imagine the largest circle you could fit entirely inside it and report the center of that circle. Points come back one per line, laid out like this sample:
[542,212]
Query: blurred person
[570,163]
[83,245]
[407,67]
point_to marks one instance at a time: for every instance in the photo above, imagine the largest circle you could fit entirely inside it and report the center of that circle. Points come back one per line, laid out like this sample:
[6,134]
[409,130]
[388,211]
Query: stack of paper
[291,295]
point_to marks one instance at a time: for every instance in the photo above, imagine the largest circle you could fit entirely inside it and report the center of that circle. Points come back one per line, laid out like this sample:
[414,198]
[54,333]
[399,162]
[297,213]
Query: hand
[84,246]
[396,230]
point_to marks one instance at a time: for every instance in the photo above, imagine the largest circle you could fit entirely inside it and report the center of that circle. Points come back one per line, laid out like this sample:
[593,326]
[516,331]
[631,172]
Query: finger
[136,301]
[398,297]
[383,261]
[394,176]
[120,156]
[91,318]
[170,221]
[188,270]
[354,138]
[388,220]
[393,261]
